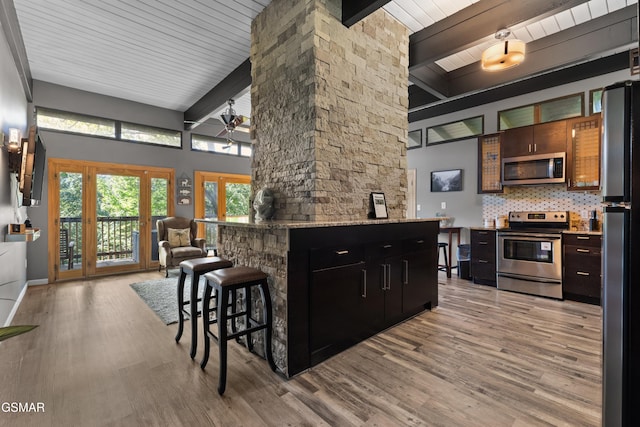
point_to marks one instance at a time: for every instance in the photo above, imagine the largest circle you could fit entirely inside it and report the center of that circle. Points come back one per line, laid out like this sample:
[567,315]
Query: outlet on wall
[585,214]
[443,205]
[418,207]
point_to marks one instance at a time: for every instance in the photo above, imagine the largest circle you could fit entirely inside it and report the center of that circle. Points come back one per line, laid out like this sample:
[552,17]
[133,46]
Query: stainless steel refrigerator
[621,255]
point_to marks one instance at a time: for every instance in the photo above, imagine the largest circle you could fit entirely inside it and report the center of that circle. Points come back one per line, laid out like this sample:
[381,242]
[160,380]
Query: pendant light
[503,55]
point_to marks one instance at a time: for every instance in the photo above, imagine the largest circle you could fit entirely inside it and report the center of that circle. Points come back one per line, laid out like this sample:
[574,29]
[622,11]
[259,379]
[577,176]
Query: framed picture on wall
[449,180]
[414,139]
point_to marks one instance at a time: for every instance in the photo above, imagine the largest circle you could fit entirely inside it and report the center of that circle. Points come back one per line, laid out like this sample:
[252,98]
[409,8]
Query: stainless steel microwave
[547,168]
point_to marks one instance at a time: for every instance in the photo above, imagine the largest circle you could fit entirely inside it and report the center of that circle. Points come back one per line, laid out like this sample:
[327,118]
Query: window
[75,123]
[220,146]
[595,101]
[456,130]
[565,107]
[150,135]
[63,121]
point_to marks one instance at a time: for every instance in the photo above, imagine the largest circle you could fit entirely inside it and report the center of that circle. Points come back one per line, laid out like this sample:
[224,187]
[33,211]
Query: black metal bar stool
[225,283]
[197,267]
[445,266]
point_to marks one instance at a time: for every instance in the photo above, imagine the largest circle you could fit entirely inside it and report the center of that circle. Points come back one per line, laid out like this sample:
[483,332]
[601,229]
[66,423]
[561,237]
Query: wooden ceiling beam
[477,22]
[355,10]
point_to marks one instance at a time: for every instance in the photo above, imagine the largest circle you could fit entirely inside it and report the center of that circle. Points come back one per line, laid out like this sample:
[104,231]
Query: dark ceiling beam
[609,64]
[235,83]
[418,97]
[572,46]
[355,10]
[11,28]
[476,22]
[431,78]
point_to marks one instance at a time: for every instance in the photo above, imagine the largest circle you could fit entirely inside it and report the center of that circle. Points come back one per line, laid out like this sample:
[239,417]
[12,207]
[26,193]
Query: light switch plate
[443,205]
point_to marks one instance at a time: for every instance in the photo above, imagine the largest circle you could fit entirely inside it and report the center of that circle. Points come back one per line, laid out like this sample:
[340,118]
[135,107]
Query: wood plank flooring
[484,357]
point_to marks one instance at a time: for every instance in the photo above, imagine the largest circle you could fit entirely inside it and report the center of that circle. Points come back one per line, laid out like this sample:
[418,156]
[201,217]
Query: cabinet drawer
[585,267]
[591,240]
[418,244]
[579,285]
[335,256]
[384,249]
[483,269]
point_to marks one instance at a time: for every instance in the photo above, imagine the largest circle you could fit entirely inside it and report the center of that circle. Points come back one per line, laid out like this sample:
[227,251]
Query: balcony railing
[116,238]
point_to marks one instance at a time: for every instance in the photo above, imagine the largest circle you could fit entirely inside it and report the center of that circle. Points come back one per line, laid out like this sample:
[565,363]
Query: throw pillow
[179,237]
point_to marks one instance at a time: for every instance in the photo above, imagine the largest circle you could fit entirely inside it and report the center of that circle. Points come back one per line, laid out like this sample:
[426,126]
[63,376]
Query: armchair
[177,242]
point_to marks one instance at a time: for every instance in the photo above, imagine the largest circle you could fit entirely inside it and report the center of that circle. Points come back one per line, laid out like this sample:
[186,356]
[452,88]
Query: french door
[102,217]
[220,196]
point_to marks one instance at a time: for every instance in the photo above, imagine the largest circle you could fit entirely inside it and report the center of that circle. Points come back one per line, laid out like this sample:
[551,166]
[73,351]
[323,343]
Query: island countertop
[311,224]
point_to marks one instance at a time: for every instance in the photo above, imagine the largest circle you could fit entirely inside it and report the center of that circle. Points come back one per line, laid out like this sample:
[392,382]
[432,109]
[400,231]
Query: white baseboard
[15,306]
[37,282]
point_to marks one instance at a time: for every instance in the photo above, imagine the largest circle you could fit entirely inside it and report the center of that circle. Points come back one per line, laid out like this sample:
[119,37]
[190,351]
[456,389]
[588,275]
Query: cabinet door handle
[483,261]
[584,251]
[483,232]
[387,246]
[406,271]
[342,252]
[384,276]
[364,283]
[535,147]
[529,147]
[389,277]
[582,237]
[420,241]
[582,273]
[483,243]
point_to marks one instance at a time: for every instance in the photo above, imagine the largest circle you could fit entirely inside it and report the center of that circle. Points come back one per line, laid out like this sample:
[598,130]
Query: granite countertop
[311,224]
[595,233]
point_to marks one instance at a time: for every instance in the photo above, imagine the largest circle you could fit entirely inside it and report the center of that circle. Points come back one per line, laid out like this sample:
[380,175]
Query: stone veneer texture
[542,198]
[265,249]
[329,110]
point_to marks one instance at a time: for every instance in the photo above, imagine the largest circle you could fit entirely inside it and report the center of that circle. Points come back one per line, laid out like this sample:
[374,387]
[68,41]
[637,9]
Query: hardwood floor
[100,357]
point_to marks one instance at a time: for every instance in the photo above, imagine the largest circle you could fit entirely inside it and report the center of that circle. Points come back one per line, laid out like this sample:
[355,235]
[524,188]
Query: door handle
[483,243]
[483,261]
[364,283]
[342,252]
[389,277]
[584,251]
[406,272]
[582,273]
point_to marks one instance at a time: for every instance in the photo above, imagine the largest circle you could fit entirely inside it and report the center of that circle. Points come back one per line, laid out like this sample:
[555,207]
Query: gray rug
[160,296]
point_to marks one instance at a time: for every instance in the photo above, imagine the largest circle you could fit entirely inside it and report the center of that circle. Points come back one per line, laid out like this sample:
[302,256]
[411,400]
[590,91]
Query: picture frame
[414,139]
[446,180]
[377,206]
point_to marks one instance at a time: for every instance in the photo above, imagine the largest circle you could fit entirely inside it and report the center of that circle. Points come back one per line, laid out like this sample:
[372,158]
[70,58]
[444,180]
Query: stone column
[329,110]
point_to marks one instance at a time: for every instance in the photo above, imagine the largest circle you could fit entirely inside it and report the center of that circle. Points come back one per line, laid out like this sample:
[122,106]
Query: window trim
[430,144]
[220,140]
[537,107]
[117,129]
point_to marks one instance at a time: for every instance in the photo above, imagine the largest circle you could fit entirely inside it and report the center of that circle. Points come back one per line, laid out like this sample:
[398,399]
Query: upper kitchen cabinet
[541,138]
[489,163]
[583,153]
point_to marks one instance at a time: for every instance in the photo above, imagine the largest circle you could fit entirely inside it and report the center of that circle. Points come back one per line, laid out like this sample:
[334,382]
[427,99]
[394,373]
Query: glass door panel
[159,209]
[237,201]
[69,253]
[117,221]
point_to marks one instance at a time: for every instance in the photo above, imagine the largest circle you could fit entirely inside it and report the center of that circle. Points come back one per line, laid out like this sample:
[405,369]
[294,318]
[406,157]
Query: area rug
[160,296]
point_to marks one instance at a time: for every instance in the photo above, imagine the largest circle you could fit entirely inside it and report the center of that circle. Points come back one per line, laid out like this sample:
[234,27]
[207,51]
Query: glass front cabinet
[583,153]
[489,163]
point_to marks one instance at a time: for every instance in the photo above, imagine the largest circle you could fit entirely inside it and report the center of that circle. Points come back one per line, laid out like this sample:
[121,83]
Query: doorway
[220,196]
[103,217]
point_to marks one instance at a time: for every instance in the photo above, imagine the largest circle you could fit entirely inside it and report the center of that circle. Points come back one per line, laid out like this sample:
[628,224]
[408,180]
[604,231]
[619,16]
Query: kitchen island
[334,284]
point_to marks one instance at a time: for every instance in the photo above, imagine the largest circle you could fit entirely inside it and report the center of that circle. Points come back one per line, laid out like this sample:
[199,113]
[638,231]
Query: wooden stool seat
[197,267]
[445,266]
[225,283]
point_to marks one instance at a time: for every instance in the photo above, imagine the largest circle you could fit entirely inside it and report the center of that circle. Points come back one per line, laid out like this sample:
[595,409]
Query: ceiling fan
[232,121]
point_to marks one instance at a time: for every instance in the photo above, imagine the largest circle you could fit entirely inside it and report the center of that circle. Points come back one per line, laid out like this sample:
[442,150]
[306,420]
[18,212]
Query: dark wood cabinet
[543,138]
[489,164]
[483,257]
[582,279]
[348,283]
[583,153]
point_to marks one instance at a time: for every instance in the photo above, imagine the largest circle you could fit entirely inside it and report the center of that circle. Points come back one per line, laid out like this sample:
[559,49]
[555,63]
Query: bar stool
[197,267]
[225,283]
[445,266]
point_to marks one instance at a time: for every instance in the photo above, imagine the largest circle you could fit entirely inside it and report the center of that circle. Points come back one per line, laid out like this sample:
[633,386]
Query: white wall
[13,114]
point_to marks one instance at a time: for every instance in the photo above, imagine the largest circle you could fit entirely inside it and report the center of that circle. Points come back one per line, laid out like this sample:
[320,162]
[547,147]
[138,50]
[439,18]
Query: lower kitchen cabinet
[379,277]
[483,257]
[582,279]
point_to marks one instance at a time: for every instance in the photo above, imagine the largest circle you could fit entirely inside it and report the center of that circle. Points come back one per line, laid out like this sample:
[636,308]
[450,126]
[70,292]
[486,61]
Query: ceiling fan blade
[223,132]
[242,129]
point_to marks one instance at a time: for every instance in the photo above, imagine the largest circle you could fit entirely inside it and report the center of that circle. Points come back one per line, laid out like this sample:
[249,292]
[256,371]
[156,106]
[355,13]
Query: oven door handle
[530,236]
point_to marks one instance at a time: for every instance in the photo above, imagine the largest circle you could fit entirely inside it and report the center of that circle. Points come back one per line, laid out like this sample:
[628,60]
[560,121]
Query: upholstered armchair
[177,242]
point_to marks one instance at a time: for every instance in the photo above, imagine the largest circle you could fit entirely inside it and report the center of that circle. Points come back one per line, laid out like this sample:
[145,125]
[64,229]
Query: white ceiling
[169,53]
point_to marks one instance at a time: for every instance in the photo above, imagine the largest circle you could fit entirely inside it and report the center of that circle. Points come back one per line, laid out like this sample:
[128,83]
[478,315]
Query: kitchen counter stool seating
[174,246]
[225,283]
[443,267]
[196,267]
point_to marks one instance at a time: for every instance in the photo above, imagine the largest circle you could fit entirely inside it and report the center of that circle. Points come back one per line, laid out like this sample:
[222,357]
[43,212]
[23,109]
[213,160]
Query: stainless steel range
[529,258]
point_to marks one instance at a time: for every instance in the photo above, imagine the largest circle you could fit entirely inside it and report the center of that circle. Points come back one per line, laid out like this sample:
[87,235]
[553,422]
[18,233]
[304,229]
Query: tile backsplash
[543,198]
